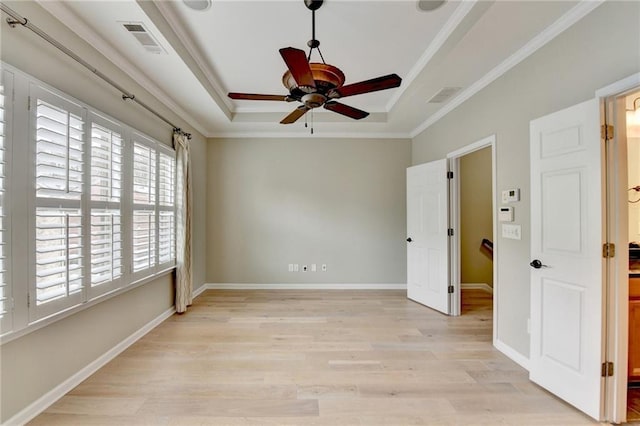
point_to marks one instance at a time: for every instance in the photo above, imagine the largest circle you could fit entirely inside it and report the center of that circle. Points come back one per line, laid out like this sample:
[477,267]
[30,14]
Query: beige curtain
[184,285]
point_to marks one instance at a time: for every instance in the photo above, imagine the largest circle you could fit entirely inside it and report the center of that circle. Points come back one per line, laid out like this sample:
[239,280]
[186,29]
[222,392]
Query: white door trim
[616,329]
[454,160]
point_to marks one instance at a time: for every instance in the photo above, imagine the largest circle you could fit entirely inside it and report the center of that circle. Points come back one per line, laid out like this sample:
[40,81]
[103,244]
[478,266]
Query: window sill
[41,323]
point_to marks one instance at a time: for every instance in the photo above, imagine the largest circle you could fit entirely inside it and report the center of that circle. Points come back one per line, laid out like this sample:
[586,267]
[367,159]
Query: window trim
[6,323]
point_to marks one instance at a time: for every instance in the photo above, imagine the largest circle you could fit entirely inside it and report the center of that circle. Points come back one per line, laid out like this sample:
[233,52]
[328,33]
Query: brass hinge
[450,232]
[606,132]
[607,369]
[450,289]
[449,175]
[608,250]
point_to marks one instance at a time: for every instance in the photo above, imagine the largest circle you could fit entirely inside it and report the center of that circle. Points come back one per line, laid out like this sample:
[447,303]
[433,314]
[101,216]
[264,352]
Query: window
[58,151]
[166,206]
[88,203]
[106,211]
[144,212]
[6,301]
[154,175]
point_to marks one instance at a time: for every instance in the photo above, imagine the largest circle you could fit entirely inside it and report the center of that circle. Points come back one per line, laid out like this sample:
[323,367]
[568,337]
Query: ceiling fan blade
[343,109]
[297,63]
[295,115]
[367,86]
[257,97]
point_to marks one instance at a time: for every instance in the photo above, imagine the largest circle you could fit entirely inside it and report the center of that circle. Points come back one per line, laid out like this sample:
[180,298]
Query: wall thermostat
[505,214]
[511,195]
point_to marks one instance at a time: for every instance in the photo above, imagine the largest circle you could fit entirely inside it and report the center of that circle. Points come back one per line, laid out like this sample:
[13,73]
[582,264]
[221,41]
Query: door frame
[453,159]
[615,227]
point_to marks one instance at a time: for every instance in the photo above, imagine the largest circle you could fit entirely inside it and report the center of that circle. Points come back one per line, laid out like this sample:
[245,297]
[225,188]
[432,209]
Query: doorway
[621,110]
[631,134]
[476,231]
[473,219]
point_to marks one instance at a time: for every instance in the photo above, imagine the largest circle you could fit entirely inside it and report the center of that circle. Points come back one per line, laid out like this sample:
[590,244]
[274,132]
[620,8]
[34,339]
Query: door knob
[535,263]
[409,240]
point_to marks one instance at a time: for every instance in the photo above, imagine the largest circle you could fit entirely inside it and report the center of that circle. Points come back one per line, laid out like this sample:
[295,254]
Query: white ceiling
[233,47]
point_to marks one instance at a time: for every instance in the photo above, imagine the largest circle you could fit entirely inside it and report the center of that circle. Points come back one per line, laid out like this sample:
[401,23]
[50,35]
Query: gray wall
[602,48]
[273,202]
[72,343]
[476,216]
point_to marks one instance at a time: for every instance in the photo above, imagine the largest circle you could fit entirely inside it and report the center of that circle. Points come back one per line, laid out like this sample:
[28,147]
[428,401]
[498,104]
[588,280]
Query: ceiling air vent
[144,37]
[444,94]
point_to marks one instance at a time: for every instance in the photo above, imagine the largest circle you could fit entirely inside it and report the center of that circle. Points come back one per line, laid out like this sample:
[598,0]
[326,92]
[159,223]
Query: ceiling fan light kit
[318,84]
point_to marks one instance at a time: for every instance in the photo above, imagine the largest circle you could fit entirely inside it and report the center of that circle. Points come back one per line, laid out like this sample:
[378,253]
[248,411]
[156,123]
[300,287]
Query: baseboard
[199,291]
[511,353]
[41,404]
[477,286]
[306,286]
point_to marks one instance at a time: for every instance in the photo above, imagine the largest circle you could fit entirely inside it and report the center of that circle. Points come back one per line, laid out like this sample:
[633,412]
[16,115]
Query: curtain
[184,205]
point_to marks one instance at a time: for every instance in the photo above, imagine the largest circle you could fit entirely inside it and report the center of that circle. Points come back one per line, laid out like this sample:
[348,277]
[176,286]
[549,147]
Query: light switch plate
[513,232]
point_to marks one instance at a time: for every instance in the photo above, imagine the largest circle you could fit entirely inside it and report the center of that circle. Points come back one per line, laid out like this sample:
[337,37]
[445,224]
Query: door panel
[427,221]
[566,238]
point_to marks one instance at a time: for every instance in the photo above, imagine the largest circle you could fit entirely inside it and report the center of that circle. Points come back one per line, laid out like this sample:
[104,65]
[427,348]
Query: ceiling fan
[316,84]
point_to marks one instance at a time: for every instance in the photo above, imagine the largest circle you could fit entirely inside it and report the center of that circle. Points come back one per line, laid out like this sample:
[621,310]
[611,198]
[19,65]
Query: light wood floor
[314,358]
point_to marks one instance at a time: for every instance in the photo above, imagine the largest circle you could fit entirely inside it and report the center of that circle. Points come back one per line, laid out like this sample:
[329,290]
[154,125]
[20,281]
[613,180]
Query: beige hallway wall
[476,217]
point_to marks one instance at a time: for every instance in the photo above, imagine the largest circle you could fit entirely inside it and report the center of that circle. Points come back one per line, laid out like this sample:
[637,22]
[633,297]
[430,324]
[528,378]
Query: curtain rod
[16,19]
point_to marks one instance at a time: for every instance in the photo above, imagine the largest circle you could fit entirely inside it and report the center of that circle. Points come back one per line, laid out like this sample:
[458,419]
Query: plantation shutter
[166,207]
[59,167]
[106,213]
[144,211]
[6,301]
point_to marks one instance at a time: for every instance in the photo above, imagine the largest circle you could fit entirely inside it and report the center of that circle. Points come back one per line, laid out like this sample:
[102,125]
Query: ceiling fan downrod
[314,43]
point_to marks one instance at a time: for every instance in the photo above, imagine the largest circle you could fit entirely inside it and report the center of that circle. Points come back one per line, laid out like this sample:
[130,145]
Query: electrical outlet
[291,267]
[313,267]
[295,267]
[324,267]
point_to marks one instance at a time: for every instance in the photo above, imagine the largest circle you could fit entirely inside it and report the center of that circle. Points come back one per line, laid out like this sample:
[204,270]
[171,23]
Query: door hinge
[449,175]
[607,369]
[608,250]
[450,232]
[606,132]
[28,300]
[28,103]
[450,289]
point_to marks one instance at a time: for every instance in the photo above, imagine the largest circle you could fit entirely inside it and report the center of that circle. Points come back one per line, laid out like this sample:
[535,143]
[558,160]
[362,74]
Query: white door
[427,238]
[566,253]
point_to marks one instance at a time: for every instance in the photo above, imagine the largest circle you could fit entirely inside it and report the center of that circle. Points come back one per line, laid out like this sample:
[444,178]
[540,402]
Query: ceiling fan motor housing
[326,77]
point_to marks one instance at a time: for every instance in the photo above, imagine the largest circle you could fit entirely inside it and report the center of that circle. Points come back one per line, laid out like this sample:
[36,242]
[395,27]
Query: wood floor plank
[306,357]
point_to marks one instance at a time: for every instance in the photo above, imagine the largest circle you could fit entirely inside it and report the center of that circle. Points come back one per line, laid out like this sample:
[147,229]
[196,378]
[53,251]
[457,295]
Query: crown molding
[563,23]
[62,13]
[190,54]
[436,44]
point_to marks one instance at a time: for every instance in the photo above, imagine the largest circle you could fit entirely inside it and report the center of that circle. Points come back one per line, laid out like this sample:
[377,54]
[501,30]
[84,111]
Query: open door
[566,252]
[427,235]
